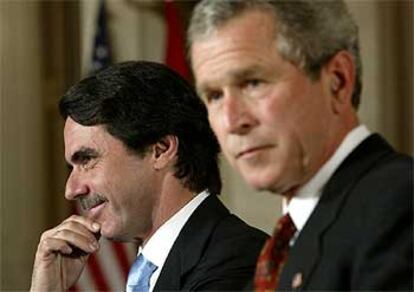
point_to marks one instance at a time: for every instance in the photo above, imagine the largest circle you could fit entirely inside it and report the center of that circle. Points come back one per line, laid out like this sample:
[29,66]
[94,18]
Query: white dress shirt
[159,245]
[301,206]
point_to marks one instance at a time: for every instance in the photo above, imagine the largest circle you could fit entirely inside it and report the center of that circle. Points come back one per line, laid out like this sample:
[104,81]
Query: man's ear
[340,71]
[164,152]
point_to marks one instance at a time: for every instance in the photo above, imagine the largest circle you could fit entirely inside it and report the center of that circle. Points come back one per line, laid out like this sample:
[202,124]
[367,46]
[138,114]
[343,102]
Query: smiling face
[117,187]
[274,124]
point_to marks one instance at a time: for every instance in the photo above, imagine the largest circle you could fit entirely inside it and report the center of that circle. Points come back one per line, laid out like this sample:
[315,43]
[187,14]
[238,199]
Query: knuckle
[46,245]
[73,217]
[63,233]
[69,225]
[46,234]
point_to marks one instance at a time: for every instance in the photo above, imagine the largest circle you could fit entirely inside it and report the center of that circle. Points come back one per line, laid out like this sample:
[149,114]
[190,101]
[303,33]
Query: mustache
[89,202]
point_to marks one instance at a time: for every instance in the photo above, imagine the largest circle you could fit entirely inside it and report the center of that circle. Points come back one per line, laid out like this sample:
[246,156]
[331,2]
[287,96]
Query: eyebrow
[82,154]
[247,73]
[236,75]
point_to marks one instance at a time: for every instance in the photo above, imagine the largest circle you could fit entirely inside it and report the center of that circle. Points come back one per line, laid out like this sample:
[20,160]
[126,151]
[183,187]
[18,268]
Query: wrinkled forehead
[246,39]
[197,33]
[77,136]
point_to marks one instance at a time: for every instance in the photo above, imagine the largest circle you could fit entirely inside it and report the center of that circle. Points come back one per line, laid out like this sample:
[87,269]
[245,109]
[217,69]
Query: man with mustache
[282,83]
[143,163]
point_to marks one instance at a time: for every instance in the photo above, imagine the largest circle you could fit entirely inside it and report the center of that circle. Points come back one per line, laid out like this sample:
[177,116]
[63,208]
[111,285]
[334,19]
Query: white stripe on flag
[110,266]
[86,282]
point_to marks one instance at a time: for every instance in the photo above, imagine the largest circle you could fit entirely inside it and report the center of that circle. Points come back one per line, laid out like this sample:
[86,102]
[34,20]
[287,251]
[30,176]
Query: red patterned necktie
[274,255]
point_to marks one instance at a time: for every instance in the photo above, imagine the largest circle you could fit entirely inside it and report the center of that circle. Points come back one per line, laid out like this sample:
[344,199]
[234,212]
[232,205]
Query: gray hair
[309,33]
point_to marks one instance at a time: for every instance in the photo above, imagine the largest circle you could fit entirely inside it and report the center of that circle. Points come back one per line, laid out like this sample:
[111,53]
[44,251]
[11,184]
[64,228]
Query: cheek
[216,126]
[97,182]
[113,185]
[287,116]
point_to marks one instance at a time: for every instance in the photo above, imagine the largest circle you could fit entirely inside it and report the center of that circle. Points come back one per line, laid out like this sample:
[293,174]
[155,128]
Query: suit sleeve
[385,257]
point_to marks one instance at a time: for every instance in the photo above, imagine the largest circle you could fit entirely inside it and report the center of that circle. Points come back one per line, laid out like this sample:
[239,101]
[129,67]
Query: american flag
[106,270]
[101,55]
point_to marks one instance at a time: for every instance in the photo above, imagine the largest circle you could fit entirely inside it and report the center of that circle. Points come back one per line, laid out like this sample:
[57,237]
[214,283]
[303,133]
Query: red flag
[175,48]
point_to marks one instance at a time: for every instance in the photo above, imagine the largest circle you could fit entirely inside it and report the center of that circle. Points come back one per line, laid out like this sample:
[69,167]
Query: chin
[257,182]
[107,235]
[264,182]
[109,232]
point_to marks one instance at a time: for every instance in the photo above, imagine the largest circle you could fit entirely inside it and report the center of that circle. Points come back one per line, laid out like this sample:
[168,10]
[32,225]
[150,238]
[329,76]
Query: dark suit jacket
[360,235]
[215,250]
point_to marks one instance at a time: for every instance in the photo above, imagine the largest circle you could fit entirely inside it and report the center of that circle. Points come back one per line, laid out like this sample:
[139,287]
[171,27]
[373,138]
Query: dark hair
[141,102]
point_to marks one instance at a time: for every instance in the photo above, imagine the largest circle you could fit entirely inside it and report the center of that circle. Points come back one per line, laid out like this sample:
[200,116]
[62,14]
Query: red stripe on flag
[97,275]
[175,51]
[122,257]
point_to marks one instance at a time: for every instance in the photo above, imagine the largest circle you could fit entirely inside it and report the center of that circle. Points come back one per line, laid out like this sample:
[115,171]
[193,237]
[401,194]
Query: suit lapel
[305,255]
[190,244]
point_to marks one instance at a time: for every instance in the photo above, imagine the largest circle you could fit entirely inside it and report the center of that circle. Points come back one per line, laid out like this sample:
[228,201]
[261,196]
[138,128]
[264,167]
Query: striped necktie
[139,275]
[274,255]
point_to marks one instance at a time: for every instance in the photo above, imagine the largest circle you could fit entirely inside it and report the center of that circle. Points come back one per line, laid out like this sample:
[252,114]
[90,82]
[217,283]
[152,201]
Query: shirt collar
[301,206]
[159,245]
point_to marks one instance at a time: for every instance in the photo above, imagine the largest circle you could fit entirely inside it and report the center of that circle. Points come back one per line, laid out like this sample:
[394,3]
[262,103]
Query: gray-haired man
[282,83]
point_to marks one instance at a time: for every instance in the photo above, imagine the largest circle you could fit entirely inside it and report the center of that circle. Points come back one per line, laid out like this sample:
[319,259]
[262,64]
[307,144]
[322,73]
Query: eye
[84,160]
[212,96]
[87,161]
[253,83]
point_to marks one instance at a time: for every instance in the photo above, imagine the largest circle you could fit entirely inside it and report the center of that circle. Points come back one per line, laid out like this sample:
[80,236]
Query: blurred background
[45,46]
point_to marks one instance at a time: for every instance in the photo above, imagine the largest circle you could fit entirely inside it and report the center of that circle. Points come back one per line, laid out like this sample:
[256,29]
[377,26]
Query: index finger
[93,226]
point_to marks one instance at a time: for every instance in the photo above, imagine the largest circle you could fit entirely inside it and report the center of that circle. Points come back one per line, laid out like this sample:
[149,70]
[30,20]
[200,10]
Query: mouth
[93,212]
[248,152]
[92,205]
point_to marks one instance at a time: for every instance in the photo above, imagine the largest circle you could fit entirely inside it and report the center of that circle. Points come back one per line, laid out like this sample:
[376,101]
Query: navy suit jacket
[360,235]
[215,250]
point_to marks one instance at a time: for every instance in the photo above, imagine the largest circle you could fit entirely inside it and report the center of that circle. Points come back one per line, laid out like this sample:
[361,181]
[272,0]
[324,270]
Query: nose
[238,117]
[75,186]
